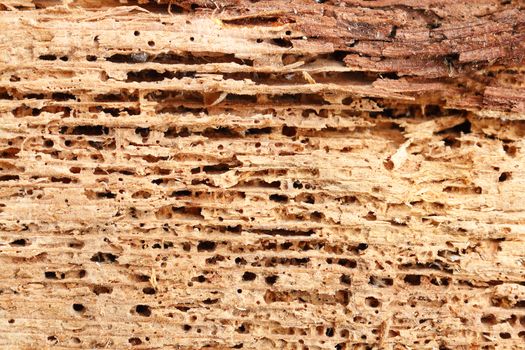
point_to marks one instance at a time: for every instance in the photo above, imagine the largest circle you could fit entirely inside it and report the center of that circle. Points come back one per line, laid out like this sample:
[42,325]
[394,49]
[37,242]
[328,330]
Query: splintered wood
[336,174]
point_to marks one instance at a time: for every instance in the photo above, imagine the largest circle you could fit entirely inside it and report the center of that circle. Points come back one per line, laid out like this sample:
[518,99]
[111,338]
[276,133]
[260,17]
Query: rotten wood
[262,174]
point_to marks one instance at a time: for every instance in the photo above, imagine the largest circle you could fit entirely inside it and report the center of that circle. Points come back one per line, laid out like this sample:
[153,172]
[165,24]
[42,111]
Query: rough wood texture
[262,174]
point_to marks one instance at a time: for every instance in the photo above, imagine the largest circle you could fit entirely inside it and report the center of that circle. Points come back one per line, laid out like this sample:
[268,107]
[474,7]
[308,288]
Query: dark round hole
[271,279]
[78,307]
[248,276]
[52,338]
[241,329]
[143,310]
[372,302]
[149,290]
[504,176]
[362,246]
[48,143]
[414,280]
[135,341]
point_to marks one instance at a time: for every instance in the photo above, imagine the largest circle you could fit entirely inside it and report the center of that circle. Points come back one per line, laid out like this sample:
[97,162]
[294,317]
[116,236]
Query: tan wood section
[246,174]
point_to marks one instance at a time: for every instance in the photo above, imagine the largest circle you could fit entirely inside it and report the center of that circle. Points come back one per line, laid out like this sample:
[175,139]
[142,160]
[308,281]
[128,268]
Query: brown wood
[262,174]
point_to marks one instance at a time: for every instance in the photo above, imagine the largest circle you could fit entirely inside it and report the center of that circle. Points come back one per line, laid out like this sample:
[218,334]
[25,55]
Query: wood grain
[262,174]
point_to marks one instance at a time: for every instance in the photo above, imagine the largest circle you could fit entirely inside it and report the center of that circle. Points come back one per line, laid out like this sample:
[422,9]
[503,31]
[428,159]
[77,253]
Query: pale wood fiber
[262,174]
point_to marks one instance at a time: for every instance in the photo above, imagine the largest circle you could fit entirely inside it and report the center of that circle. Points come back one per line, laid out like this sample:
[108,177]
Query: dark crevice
[104,258]
[283,232]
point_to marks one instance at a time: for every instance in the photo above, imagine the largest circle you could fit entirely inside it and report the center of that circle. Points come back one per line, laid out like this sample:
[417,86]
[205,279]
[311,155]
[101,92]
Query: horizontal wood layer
[262,174]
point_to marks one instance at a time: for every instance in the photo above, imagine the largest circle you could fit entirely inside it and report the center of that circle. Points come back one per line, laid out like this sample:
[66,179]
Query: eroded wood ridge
[262,174]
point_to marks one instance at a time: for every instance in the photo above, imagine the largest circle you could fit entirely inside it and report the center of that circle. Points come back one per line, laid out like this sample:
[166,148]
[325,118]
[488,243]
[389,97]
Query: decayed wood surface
[262,174]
